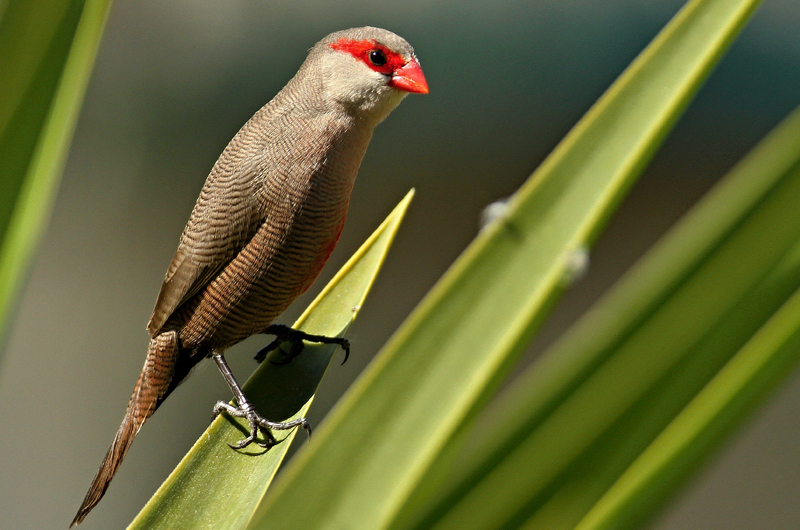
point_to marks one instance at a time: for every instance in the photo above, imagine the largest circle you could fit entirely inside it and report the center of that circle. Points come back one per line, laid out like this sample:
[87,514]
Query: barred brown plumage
[266,221]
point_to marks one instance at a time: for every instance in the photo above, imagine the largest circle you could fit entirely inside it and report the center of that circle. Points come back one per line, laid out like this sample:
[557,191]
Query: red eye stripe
[360,49]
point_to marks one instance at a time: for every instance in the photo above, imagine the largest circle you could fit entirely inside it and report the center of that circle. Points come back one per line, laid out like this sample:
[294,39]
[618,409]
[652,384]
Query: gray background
[175,80]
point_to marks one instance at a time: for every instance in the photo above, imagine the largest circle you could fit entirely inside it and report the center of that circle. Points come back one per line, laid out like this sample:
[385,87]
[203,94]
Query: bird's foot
[295,337]
[258,423]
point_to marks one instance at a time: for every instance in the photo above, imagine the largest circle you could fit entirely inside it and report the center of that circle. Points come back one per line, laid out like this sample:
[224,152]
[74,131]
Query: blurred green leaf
[762,362]
[575,420]
[372,453]
[217,487]
[47,49]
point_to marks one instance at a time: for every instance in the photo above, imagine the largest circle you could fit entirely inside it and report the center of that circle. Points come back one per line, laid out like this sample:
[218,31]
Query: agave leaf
[762,362]
[443,363]
[572,423]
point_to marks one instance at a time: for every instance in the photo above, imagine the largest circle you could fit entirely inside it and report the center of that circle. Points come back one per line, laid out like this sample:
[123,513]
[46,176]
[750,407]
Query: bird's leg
[246,410]
[285,333]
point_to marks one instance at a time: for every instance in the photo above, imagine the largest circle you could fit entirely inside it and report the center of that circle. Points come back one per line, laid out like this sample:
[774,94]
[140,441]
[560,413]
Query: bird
[268,217]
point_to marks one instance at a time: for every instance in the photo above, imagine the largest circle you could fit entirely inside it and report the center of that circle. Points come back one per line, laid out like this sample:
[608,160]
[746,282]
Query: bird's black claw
[263,352]
[250,440]
[295,337]
[345,344]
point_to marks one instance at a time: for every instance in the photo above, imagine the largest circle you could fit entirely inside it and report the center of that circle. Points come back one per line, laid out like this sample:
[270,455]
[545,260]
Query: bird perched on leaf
[266,221]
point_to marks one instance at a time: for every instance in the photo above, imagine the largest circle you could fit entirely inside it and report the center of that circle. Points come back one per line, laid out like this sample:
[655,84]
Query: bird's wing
[224,219]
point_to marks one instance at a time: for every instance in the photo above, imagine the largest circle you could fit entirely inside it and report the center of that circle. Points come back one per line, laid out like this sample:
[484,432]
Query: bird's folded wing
[223,221]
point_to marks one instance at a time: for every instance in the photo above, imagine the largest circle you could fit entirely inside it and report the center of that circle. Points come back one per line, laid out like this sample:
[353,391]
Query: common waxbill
[266,221]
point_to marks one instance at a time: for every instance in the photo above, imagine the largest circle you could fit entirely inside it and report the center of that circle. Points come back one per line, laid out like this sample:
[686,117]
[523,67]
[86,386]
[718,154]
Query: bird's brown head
[369,70]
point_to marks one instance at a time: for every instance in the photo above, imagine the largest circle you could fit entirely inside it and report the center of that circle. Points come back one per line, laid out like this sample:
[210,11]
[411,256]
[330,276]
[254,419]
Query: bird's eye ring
[377,57]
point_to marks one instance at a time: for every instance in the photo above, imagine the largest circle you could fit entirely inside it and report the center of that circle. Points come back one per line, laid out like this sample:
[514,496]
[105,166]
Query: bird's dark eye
[377,57]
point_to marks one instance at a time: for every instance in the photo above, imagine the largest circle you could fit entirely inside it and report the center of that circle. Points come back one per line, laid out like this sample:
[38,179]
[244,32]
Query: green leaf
[559,373]
[567,429]
[373,452]
[217,487]
[47,49]
[768,357]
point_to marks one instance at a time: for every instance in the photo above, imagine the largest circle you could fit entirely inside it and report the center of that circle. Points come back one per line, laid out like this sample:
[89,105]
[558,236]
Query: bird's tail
[154,383]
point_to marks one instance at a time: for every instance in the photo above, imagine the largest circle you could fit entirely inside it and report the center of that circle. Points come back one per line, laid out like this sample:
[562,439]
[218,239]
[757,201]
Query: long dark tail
[155,382]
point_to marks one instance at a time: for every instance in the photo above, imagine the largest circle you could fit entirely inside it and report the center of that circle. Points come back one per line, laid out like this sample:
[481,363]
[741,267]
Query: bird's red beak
[410,78]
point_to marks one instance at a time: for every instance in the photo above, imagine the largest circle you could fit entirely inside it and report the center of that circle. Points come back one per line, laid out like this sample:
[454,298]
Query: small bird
[267,219]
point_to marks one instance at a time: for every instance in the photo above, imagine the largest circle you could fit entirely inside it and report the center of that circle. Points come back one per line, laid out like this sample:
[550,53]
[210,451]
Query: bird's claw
[252,439]
[295,337]
[258,423]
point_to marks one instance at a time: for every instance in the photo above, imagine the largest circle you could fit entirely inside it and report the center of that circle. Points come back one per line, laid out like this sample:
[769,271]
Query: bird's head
[368,70]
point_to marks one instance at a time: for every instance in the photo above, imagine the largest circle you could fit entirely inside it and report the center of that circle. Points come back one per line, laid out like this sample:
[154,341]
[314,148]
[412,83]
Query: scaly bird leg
[246,410]
[286,334]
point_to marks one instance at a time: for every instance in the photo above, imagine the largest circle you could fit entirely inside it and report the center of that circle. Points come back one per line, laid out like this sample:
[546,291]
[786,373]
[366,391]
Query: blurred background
[173,83]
